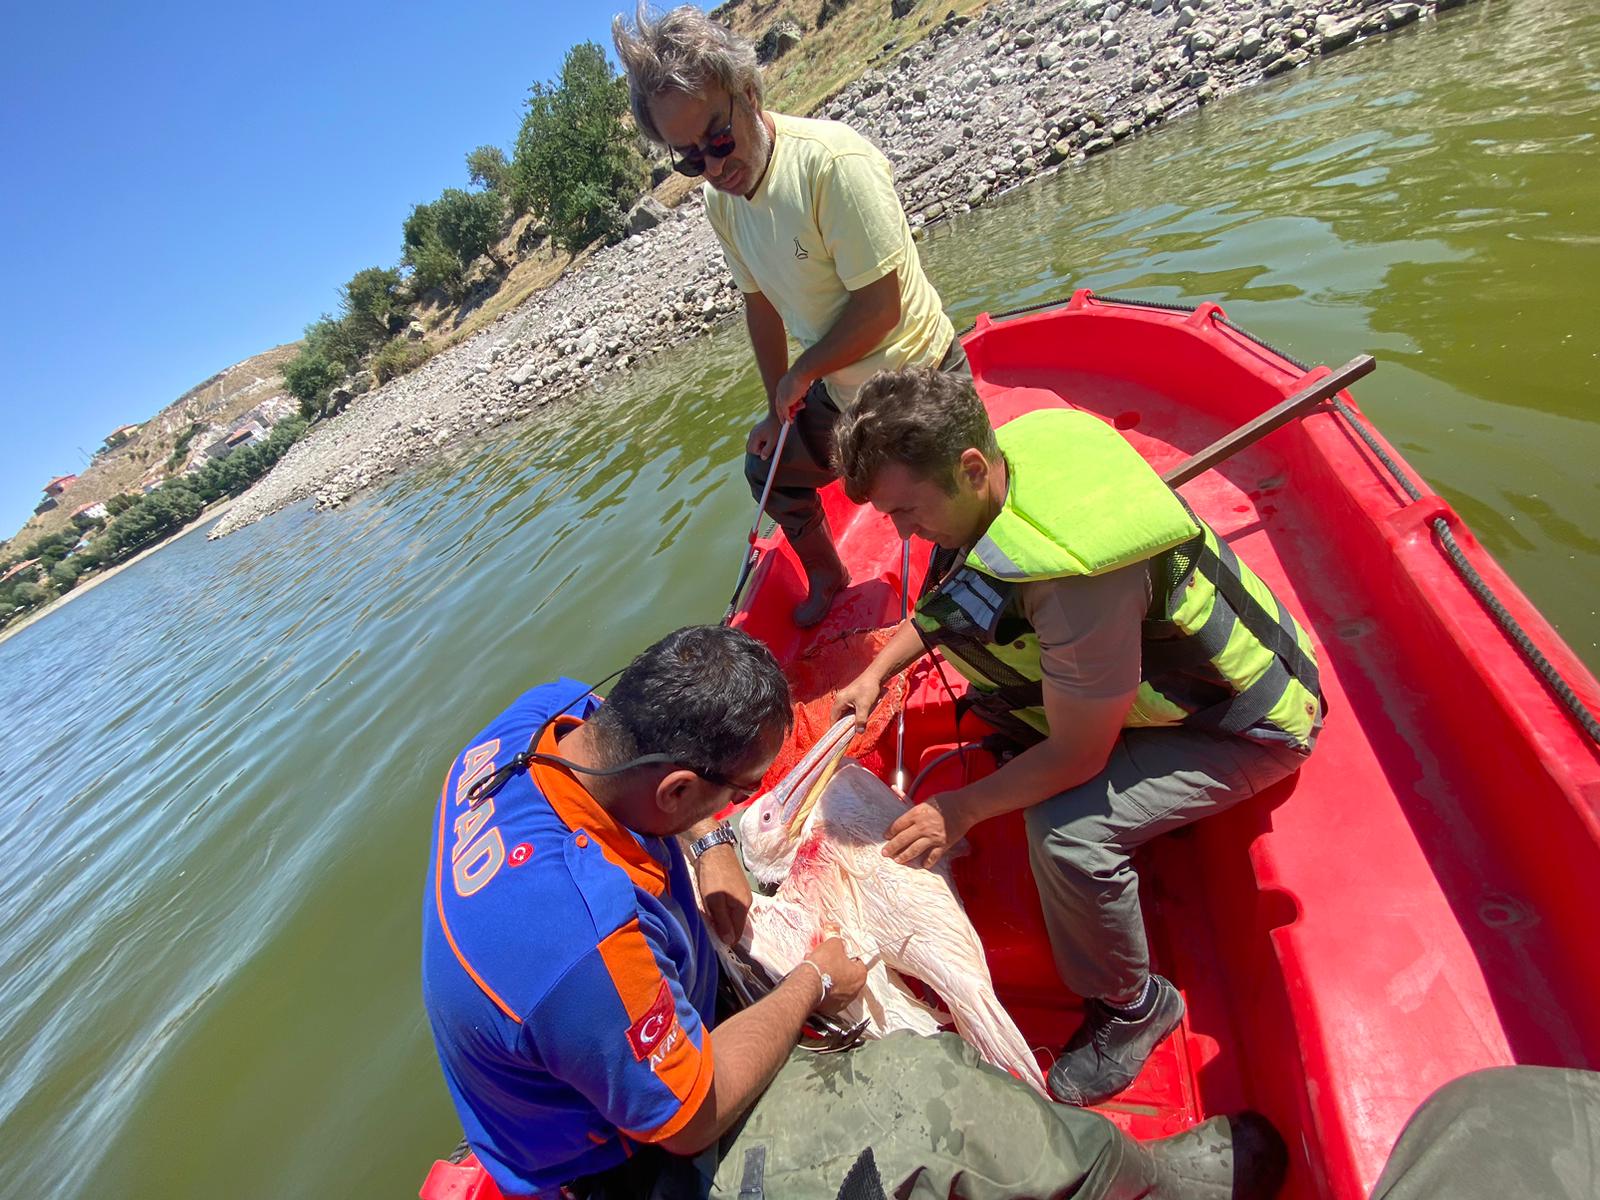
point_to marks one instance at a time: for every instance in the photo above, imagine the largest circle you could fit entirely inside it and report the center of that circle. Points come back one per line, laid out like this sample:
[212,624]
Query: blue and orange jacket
[567,974]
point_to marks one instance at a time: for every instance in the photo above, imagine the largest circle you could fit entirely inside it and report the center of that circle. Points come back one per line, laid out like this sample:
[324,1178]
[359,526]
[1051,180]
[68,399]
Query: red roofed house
[59,485]
[18,569]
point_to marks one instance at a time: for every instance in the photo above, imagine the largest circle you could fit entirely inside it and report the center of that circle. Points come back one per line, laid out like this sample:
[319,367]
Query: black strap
[863,1181]
[1243,709]
[1275,631]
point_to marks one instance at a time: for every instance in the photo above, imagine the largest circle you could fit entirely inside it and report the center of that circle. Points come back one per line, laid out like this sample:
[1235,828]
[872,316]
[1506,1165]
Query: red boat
[1418,901]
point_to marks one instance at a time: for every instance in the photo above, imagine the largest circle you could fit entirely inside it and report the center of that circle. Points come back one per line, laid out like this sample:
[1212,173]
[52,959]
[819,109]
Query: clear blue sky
[187,185]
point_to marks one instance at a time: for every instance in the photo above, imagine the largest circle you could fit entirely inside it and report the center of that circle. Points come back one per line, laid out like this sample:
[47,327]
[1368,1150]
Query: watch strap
[722,835]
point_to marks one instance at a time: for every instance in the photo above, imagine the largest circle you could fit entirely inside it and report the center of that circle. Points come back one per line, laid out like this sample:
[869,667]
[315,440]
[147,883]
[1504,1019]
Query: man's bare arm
[1083,732]
[866,319]
[750,1046]
[768,338]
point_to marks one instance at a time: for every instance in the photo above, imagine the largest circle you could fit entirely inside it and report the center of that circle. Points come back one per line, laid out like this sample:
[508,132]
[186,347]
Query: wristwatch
[722,835]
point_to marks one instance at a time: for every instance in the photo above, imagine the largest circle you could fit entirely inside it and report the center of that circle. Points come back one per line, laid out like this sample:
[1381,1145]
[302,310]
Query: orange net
[814,676]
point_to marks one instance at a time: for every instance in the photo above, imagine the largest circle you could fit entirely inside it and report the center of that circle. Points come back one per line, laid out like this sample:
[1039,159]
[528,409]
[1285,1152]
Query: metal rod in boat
[900,725]
[750,555]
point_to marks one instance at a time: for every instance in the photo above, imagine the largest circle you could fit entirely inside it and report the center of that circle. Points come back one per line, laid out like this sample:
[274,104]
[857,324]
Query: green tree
[368,303]
[332,351]
[468,223]
[432,265]
[65,575]
[27,595]
[577,165]
[487,167]
[120,503]
[442,239]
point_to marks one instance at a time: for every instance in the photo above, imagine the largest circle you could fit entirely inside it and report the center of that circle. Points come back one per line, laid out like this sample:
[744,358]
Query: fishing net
[814,676]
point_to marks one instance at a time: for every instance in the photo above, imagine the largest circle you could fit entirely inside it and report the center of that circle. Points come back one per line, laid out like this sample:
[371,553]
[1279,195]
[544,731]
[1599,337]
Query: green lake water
[217,769]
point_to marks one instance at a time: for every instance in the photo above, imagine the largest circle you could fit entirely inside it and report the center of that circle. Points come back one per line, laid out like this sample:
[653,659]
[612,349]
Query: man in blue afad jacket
[570,978]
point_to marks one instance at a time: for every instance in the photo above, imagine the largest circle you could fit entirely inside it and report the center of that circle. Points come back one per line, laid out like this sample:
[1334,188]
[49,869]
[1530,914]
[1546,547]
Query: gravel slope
[975,109]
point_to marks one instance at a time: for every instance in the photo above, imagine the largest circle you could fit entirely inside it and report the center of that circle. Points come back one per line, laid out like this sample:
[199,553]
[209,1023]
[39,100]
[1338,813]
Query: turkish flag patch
[645,1034]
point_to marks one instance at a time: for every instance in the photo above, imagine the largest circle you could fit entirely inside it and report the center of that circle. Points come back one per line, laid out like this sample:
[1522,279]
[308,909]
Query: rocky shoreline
[979,107]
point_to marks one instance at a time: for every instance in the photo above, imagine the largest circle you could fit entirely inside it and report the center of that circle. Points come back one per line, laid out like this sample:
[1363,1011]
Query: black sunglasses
[719,145]
[491,784]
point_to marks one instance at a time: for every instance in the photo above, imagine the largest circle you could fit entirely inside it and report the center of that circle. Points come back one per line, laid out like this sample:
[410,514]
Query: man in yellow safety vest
[1150,677]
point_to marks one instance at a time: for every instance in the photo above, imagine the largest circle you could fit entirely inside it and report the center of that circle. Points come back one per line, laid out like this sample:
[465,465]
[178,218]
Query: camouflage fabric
[1499,1133]
[939,1121]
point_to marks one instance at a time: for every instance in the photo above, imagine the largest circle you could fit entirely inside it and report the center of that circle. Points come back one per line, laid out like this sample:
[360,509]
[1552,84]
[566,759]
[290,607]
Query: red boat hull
[1418,902]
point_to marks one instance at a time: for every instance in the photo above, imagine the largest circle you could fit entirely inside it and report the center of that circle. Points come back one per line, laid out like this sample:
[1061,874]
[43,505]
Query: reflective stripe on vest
[1219,651]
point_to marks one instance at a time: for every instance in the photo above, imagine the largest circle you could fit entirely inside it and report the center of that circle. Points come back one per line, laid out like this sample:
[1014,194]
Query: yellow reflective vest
[1218,650]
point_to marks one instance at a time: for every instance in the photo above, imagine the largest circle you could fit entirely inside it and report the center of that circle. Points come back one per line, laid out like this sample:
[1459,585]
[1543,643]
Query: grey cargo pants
[1081,843]
[807,462]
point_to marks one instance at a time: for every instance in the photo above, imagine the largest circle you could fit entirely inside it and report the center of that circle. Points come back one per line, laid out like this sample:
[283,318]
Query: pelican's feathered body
[819,836]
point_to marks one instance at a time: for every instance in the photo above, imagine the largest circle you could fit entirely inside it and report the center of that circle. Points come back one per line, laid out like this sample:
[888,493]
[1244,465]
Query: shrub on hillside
[399,357]
[576,163]
[333,350]
[180,448]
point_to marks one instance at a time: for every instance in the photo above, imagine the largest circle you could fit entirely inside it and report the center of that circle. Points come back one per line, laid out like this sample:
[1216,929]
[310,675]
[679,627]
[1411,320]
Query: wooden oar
[1253,431]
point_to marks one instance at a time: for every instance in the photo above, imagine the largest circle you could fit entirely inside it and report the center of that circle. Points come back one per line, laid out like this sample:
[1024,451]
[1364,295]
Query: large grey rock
[779,40]
[1402,14]
[646,214]
[1333,33]
[1288,62]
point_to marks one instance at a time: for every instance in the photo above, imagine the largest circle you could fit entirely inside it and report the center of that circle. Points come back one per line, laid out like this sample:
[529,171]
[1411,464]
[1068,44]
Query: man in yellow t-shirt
[816,240]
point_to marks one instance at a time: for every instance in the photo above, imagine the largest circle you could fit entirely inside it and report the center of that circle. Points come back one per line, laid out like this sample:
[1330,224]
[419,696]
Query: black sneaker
[1108,1052]
[1225,1158]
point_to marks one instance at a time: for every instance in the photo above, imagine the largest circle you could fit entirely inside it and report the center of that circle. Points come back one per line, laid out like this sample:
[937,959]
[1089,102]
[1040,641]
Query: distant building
[120,436]
[27,565]
[58,485]
[242,435]
[151,482]
[44,506]
[246,435]
[95,511]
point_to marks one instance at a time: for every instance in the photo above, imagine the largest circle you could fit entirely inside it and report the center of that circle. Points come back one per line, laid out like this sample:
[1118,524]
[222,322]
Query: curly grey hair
[681,51]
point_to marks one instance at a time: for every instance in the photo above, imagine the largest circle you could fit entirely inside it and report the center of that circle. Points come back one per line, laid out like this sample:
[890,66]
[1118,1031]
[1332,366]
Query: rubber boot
[1225,1158]
[825,574]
